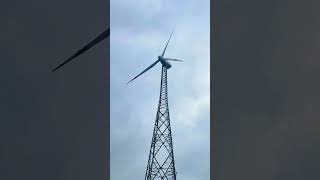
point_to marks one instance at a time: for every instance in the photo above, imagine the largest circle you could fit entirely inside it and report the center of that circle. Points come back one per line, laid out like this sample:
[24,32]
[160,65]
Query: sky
[139,31]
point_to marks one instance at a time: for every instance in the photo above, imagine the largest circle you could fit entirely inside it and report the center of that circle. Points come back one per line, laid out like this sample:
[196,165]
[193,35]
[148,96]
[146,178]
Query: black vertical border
[213,26]
[107,146]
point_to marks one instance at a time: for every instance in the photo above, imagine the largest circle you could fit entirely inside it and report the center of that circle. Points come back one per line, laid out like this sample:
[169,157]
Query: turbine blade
[170,59]
[99,38]
[167,44]
[153,64]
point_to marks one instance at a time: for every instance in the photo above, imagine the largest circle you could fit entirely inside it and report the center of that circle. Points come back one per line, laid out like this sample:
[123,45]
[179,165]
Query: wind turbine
[92,43]
[161,164]
[164,61]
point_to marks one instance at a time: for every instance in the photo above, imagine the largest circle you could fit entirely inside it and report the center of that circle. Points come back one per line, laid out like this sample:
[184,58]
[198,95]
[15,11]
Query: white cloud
[139,31]
[190,110]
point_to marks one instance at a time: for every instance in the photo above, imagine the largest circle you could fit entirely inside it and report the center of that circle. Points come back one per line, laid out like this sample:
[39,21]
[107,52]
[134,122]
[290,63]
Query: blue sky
[139,31]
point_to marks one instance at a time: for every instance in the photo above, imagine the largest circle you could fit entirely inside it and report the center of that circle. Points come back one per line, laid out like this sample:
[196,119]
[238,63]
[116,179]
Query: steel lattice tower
[161,160]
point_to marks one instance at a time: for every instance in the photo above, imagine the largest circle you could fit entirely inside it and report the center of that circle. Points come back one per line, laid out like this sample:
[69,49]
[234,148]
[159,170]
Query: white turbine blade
[167,44]
[170,59]
[153,64]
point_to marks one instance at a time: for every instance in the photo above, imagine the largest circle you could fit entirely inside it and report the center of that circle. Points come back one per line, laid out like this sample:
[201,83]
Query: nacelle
[165,63]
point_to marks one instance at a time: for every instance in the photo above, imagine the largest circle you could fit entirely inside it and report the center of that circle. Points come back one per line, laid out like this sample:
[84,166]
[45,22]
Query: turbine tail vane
[167,44]
[153,64]
[99,38]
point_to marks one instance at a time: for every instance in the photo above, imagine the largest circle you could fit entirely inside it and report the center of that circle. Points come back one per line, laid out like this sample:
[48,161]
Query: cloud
[191,110]
[140,30]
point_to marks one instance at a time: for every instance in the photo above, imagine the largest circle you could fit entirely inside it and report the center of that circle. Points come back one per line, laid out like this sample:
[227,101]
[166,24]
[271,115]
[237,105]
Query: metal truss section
[161,160]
